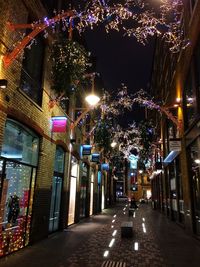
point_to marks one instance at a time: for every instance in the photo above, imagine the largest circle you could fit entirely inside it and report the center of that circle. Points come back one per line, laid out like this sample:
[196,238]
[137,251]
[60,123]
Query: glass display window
[16,206]
[20,143]
[18,162]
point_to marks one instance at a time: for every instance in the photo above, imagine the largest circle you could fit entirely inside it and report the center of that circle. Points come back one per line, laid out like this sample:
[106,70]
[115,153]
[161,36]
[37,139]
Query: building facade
[45,183]
[175,81]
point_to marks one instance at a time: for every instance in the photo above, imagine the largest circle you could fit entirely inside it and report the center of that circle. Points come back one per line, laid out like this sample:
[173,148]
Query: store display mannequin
[13,208]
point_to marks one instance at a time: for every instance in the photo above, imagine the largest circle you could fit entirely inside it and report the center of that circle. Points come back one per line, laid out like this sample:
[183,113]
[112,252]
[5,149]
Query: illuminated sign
[86,149]
[59,124]
[95,157]
[105,166]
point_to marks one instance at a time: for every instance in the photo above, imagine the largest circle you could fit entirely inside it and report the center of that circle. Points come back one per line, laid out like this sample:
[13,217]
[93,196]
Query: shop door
[83,196]
[72,201]
[55,204]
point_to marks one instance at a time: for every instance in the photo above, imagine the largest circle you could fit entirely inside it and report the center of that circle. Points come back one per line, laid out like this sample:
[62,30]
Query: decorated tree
[69,63]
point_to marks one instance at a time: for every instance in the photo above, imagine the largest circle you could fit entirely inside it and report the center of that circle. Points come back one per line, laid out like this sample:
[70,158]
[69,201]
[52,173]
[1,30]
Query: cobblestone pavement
[160,242]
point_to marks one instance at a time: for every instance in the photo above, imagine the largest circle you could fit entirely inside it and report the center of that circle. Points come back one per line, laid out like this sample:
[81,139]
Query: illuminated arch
[36,29]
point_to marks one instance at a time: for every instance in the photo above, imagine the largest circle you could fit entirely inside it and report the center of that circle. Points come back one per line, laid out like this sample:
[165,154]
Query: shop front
[73,188]
[18,164]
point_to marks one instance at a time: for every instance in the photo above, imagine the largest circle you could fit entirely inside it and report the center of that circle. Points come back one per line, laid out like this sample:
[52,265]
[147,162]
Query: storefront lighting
[197,161]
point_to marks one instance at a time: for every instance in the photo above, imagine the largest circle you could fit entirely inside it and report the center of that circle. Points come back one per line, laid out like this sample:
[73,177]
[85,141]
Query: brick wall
[16,104]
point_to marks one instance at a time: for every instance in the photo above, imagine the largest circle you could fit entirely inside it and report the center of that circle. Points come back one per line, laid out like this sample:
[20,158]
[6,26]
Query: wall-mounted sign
[59,124]
[86,150]
[95,157]
[175,144]
[105,166]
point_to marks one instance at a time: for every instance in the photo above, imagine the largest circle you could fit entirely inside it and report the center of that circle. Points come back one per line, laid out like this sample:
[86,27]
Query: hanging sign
[175,144]
[95,157]
[59,124]
[86,150]
[105,167]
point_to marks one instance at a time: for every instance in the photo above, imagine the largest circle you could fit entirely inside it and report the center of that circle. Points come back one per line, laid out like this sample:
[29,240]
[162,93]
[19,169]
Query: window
[20,143]
[190,97]
[17,181]
[32,68]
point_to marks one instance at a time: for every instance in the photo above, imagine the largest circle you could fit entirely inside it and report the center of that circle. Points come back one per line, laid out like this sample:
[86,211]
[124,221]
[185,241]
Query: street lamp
[113,144]
[92,100]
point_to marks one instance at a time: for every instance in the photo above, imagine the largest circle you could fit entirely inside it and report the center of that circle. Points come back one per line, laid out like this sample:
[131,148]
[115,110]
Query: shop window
[17,182]
[32,70]
[20,143]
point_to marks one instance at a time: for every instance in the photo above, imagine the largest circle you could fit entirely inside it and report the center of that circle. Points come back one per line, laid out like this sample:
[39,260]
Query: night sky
[121,60]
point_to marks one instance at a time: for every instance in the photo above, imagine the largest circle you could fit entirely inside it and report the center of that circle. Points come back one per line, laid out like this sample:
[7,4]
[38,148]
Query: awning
[171,156]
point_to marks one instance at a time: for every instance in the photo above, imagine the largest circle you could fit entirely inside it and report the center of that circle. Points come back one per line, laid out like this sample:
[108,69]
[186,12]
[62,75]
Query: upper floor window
[190,97]
[32,70]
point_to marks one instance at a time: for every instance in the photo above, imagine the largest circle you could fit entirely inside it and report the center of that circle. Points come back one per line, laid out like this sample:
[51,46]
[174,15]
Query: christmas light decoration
[143,21]
[69,63]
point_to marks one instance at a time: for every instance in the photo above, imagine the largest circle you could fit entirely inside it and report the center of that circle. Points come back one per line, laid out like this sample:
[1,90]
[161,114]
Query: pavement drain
[113,264]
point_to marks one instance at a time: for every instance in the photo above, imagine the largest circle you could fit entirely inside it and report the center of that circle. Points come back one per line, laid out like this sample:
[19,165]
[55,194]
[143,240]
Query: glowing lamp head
[113,144]
[92,100]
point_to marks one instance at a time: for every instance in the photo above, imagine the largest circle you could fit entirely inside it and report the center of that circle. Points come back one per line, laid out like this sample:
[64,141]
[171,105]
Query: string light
[134,18]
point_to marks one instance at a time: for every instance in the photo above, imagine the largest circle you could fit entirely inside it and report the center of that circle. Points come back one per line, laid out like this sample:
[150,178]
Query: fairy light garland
[133,18]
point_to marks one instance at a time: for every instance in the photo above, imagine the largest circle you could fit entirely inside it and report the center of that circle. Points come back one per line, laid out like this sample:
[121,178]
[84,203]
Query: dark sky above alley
[121,60]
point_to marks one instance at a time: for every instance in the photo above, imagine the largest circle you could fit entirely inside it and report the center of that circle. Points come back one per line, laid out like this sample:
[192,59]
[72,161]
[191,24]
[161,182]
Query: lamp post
[92,100]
